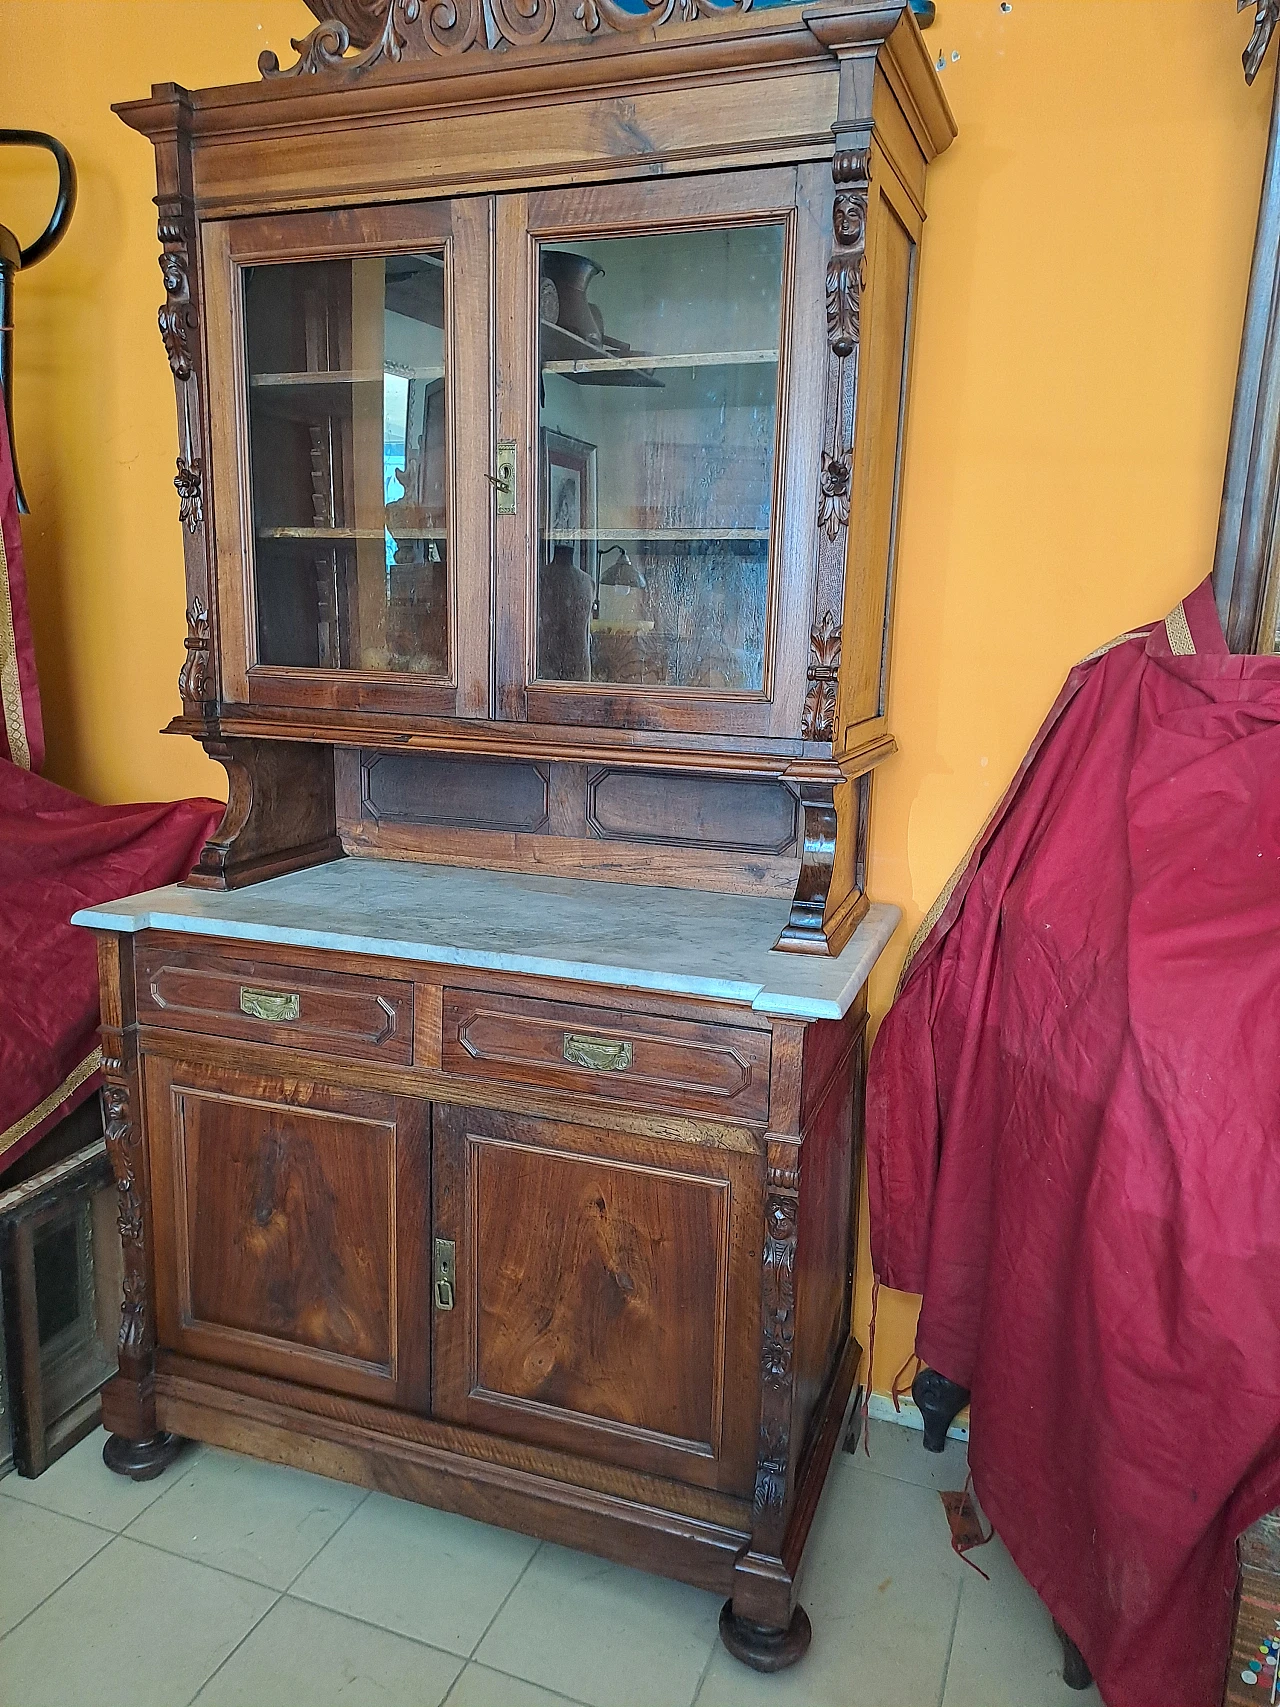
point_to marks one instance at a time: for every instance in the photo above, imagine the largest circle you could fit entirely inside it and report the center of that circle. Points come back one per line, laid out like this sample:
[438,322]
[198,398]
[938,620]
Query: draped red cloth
[1073,1132]
[21,729]
[58,853]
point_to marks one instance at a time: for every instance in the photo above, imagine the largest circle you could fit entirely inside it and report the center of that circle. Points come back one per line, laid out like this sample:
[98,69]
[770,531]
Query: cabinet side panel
[830,1155]
[881,414]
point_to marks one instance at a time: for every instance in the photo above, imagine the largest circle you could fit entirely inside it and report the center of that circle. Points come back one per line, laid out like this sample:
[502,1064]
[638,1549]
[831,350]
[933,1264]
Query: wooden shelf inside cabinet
[338,535]
[326,377]
[636,362]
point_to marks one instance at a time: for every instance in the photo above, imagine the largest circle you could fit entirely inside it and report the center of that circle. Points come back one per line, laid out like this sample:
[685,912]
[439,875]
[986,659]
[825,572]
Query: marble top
[681,941]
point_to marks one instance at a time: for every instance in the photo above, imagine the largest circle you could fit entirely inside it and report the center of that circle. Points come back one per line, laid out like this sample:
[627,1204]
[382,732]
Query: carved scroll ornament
[194,679]
[777,1347]
[177,319]
[391,30]
[124,1147]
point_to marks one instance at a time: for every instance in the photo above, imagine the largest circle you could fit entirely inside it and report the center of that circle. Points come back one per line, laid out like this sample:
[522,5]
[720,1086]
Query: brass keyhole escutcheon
[444,1274]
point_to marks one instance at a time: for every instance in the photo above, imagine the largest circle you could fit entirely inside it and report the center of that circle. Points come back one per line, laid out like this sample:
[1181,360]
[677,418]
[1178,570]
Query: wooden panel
[337,1013]
[679,1064]
[603,1315]
[291,1223]
[893,227]
[480,794]
[735,814]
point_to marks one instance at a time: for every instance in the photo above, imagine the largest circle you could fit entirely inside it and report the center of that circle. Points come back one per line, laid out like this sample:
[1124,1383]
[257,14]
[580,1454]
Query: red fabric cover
[58,853]
[1073,1129]
[21,730]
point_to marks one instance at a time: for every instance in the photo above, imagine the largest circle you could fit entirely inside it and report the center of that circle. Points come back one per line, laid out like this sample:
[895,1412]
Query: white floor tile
[899,1452]
[38,1551]
[880,1584]
[134,1628]
[426,1574]
[261,1521]
[603,1633]
[480,1687]
[1005,1653]
[80,1485]
[306,1656]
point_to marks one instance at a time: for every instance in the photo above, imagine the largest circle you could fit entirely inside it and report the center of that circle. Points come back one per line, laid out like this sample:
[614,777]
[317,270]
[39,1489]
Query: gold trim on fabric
[15,724]
[949,887]
[1178,629]
[74,1079]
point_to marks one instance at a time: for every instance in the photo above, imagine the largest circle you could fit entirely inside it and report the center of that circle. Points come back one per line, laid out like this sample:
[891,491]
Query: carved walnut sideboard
[486,1108]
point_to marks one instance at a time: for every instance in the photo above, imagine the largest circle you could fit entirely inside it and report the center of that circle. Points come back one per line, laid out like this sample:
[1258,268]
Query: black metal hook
[13,257]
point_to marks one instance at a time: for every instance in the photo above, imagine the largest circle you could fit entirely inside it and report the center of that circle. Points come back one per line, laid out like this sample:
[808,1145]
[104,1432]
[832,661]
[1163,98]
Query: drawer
[326,1013]
[608,1052]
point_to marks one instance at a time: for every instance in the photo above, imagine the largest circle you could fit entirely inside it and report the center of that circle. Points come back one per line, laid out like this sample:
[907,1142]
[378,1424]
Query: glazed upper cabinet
[541,392]
[533,443]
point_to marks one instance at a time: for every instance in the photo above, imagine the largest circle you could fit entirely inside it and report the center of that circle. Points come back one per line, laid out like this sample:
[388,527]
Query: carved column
[179,319]
[137,1448]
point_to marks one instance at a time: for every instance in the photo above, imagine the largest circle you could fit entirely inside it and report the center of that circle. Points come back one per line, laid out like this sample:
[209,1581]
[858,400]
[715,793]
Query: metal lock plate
[504,478]
[444,1274]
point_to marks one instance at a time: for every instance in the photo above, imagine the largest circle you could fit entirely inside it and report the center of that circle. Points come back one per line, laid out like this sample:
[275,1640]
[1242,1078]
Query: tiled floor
[229,1583]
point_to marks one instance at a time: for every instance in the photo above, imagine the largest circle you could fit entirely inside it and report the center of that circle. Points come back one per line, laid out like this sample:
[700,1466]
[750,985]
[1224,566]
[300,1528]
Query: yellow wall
[1083,283]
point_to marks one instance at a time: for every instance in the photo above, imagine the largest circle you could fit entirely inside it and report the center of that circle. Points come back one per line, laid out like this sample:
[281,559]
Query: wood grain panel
[735,814]
[668,1063]
[291,1224]
[476,794]
[597,1318]
[338,1013]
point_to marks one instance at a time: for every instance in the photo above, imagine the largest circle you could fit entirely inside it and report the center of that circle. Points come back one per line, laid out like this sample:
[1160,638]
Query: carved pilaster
[123,1134]
[777,1346]
[179,319]
[851,174]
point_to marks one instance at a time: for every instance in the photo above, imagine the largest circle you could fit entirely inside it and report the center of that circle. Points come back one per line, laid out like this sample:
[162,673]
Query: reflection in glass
[346,368]
[659,361]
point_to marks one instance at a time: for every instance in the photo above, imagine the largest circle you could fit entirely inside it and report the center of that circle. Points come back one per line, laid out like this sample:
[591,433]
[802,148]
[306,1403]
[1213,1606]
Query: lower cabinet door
[605,1292]
[291,1228]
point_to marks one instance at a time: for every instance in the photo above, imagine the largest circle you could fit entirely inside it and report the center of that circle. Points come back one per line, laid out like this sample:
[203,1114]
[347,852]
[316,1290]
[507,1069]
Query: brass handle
[270,1004]
[444,1274]
[600,1054]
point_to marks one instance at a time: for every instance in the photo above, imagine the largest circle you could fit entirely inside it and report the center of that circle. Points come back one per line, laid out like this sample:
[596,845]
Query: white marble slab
[680,941]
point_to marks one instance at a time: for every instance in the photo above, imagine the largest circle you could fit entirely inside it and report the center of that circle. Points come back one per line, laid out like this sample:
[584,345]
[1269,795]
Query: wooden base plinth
[141,1460]
[761,1648]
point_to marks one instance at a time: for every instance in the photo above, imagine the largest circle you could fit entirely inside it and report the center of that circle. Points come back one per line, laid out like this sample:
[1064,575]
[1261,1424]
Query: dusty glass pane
[346,368]
[659,418]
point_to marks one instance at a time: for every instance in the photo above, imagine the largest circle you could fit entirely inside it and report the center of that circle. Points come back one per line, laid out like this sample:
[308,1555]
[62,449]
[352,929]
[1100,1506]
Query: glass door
[661,348]
[365,545]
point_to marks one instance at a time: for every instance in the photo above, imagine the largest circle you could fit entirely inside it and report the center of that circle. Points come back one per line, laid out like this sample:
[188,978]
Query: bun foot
[141,1460]
[939,1402]
[761,1647]
[1075,1673]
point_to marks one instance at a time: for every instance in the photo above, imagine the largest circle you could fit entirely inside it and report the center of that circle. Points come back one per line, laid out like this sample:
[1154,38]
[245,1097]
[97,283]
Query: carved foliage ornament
[190,502]
[1266,17]
[391,30]
[776,1352]
[123,1146]
[194,682]
[818,721]
[177,319]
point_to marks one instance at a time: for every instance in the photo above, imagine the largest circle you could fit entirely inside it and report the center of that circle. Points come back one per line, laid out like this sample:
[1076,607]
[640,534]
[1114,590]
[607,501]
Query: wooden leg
[1075,1673]
[762,1647]
[939,1402]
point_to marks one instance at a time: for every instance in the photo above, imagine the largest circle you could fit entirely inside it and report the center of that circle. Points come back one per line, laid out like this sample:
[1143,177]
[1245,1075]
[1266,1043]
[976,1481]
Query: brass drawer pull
[270,1004]
[600,1054]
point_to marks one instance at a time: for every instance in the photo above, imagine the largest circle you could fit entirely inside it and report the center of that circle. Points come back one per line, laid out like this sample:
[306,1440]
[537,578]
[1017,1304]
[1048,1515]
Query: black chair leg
[939,1402]
[1075,1673]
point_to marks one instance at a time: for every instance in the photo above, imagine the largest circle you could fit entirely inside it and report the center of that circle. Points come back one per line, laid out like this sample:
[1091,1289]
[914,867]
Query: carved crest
[190,501]
[818,721]
[194,681]
[390,30]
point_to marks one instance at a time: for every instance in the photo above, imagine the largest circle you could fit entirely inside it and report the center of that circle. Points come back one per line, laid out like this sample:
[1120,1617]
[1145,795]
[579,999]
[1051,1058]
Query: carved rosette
[777,1344]
[386,31]
[124,1147]
[818,721]
[190,498]
[195,682]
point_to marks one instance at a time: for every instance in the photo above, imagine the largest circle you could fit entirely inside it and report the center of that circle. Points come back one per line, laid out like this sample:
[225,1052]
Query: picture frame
[570,513]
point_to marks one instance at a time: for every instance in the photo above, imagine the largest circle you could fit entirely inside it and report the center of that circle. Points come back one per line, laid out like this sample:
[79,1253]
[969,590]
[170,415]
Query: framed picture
[569,513]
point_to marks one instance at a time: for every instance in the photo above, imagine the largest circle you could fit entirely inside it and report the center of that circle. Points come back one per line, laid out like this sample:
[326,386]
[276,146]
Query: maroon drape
[1074,1151]
[21,730]
[58,853]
